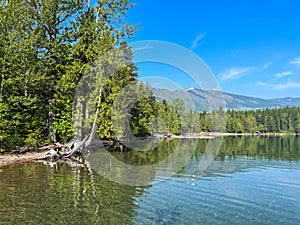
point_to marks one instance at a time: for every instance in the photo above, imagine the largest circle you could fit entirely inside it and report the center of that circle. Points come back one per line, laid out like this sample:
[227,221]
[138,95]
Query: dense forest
[279,120]
[178,120]
[46,48]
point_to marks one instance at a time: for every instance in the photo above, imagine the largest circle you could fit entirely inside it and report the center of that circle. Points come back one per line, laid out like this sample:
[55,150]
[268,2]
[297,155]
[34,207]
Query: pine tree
[46,47]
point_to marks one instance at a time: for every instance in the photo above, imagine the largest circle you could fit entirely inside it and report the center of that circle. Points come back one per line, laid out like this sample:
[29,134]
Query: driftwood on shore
[59,151]
[74,147]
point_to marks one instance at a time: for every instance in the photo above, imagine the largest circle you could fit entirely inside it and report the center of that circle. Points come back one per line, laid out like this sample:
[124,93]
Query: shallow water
[251,181]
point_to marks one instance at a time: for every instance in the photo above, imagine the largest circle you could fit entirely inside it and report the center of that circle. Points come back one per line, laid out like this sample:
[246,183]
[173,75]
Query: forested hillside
[45,48]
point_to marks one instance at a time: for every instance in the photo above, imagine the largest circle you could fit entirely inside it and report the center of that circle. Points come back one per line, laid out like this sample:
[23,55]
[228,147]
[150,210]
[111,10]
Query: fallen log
[51,154]
[54,153]
[56,146]
[76,148]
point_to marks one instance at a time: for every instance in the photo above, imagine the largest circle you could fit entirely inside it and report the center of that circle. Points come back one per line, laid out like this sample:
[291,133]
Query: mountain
[288,101]
[206,100]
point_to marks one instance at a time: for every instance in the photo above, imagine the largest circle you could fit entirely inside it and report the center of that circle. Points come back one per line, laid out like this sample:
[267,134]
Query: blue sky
[252,47]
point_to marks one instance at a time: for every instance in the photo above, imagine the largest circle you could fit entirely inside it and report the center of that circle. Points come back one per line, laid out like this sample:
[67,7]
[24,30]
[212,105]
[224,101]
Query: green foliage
[111,89]
[142,114]
[266,120]
[45,49]
[30,141]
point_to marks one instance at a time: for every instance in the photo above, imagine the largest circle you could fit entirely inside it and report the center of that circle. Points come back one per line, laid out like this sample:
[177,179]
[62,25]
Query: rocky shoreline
[7,159]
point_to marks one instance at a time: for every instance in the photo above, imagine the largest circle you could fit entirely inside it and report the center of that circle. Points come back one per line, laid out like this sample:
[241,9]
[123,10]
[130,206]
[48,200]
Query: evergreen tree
[46,47]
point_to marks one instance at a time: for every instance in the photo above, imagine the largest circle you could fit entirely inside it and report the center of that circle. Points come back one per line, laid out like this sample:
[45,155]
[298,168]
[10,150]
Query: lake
[248,180]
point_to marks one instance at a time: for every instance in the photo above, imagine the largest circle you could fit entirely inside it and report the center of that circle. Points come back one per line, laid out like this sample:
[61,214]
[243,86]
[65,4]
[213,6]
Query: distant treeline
[263,120]
[180,121]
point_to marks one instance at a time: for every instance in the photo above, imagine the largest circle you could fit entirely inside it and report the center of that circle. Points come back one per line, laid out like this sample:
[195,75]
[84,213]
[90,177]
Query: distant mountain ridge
[206,100]
[289,101]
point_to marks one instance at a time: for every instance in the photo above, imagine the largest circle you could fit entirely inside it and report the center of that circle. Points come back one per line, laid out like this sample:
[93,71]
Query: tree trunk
[52,31]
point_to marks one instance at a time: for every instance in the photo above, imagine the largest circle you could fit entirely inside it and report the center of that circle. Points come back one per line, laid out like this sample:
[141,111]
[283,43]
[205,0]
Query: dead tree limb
[51,154]
[76,148]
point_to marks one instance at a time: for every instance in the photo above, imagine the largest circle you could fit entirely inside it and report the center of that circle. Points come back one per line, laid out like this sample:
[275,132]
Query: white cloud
[196,43]
[266,65]
[235,72]
[283,74]
[145,47]
[262,83]
[295,61]
[281,86]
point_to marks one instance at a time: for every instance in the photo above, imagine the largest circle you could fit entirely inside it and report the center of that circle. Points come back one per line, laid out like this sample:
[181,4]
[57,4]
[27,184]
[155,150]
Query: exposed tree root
[59,151]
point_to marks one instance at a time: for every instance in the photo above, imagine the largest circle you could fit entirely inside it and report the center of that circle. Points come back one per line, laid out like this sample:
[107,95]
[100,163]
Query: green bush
[30,141]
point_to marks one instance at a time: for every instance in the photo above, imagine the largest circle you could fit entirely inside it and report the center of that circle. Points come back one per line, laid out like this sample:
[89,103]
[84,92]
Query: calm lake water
[252,180]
